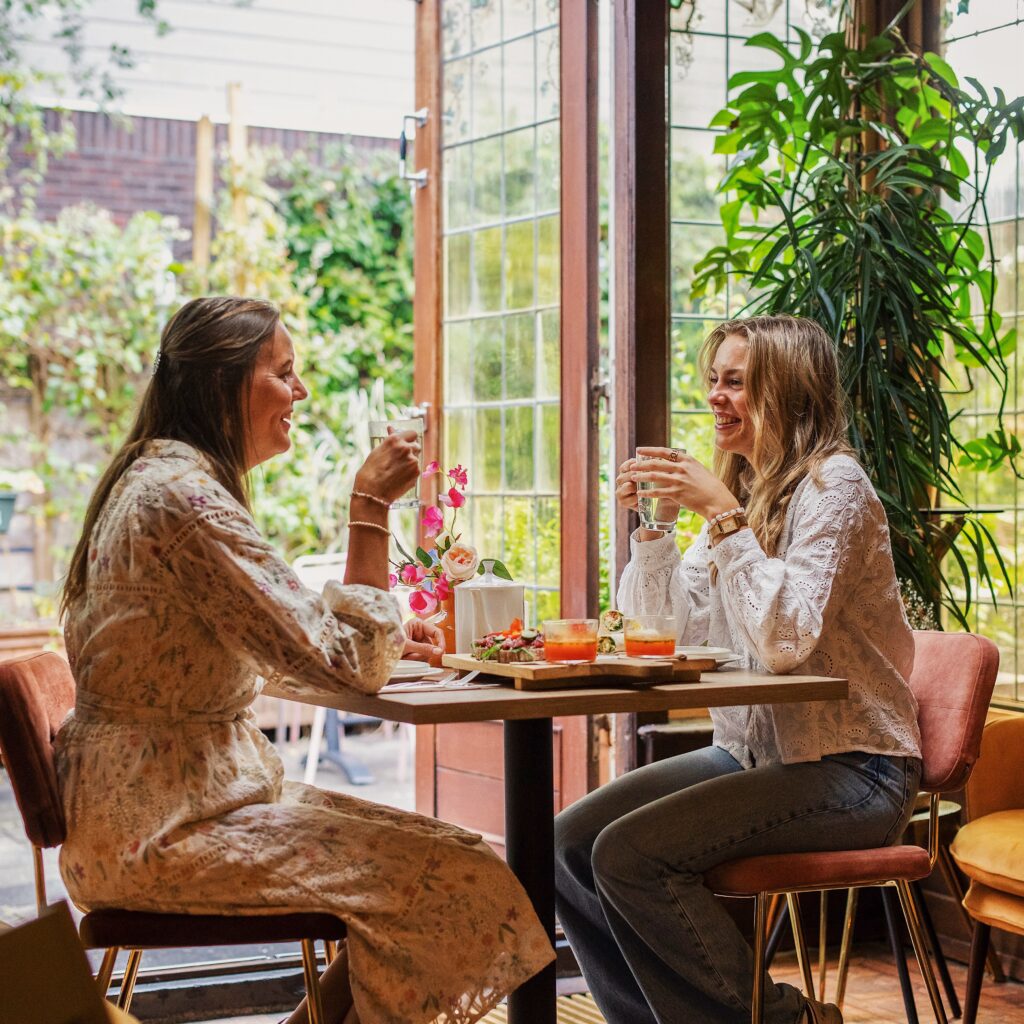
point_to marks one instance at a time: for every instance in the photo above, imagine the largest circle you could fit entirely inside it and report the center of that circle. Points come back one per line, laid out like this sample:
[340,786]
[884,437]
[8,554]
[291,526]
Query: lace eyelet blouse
[827,604]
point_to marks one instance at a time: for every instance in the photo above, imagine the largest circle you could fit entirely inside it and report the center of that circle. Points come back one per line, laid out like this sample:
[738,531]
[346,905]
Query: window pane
[502,361]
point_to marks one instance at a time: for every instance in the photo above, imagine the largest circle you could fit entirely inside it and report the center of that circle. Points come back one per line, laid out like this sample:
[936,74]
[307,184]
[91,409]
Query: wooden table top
[724,688]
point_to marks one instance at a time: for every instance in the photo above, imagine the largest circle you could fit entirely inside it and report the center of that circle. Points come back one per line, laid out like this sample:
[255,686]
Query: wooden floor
[872,995]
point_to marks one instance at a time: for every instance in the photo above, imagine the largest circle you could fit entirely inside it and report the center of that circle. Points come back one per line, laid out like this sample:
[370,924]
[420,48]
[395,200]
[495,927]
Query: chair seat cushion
[995,908]
[832,869]
[990,850]
[133,929]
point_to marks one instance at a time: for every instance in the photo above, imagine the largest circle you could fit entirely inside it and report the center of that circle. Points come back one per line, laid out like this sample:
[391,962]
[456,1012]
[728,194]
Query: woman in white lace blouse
[175,605]
[792,569]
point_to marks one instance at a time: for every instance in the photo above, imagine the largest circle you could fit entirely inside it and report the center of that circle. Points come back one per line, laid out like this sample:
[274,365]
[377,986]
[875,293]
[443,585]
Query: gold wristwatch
[727,525]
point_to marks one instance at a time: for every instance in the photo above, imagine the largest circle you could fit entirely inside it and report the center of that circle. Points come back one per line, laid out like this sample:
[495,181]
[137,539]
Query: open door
[506,332]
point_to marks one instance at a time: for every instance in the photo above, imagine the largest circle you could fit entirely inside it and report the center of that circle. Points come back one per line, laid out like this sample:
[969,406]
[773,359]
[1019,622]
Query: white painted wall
[315,65]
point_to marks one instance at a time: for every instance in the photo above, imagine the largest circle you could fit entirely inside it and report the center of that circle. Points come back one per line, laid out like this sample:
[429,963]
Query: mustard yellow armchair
[990,848]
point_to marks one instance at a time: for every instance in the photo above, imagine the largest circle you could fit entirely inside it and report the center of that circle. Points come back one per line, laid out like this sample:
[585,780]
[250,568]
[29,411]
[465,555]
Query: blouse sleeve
[779,605]
[254,604]
[658,581]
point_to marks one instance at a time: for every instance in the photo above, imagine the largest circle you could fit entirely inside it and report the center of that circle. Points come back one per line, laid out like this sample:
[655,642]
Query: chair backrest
[36,692]
[953,677]
[997,782]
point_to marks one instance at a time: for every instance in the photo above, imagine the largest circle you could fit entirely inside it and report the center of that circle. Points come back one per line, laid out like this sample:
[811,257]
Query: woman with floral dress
[175,605]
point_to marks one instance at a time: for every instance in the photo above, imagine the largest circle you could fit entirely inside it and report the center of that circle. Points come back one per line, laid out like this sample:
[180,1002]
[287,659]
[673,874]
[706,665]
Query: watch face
[729,525]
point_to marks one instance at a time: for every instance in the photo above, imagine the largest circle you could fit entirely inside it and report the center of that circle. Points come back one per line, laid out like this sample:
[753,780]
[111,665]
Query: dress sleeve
[780,605]
[658,581]
[254,604]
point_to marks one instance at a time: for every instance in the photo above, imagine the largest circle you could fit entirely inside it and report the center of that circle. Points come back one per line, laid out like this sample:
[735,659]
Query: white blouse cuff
[735,551]
[650,555]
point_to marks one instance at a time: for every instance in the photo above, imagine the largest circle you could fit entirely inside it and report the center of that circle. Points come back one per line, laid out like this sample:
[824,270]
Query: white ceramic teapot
[486,604]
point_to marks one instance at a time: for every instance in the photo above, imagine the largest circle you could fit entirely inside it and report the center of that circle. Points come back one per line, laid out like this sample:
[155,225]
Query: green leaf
[499,569]
[425,560]
[942,69]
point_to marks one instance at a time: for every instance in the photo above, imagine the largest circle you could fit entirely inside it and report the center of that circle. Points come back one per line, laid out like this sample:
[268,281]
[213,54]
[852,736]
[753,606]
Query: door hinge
[417,120]
[600,392]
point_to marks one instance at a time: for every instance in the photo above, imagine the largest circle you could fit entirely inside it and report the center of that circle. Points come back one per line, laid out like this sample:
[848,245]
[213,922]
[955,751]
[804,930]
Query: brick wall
[148,163]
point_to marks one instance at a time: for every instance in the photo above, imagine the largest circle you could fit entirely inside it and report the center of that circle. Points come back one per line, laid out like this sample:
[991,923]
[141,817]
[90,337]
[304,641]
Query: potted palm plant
[856,195]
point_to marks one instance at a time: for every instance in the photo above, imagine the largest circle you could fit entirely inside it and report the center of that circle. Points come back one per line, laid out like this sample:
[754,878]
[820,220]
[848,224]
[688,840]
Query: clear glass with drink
[570,641]
[650,636]
[652,516]
[379,431]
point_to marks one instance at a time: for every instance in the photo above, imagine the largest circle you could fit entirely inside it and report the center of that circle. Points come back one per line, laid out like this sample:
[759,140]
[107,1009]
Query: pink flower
[432,468]
[442,588]
[433,521]
[456,498]
[458,475]
[392,581]
[412,574]
[421,603]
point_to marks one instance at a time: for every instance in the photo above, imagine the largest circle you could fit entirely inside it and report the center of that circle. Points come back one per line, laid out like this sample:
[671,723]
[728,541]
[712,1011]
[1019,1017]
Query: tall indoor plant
[845,165]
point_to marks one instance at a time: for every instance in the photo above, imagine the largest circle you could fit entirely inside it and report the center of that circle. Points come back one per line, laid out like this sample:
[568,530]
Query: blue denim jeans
[654,944]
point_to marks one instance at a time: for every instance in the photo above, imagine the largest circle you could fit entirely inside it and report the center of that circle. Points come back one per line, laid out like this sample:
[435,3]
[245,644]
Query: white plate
[720,654]
[406,670]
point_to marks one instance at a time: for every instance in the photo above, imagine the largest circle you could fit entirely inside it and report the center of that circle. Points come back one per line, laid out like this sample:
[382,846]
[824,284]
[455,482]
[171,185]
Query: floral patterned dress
[176,802]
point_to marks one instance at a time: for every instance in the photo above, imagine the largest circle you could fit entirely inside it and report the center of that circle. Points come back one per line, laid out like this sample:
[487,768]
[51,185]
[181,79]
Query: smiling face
[734,430]
[274,390]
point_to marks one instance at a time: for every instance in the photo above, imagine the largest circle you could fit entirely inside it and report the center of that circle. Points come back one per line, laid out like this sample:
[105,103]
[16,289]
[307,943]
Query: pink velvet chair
[953,677]
[36,692]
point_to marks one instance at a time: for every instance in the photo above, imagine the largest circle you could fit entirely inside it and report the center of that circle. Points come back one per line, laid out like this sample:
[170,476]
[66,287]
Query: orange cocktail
[650,647]
[650,636]
[570,641]
[570,650]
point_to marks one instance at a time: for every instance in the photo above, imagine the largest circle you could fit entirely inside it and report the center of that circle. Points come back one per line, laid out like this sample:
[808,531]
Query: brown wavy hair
[798,410]
[208,351]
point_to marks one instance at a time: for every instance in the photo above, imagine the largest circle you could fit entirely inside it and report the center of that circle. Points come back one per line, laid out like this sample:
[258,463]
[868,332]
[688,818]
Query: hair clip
[156,362]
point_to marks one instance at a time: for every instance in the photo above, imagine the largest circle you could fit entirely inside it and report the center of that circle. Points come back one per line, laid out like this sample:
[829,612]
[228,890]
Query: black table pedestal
[530,849]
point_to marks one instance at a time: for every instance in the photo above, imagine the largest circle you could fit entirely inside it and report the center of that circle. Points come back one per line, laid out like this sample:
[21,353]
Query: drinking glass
[570,641]
[379,431]
[650,636]
[649,508]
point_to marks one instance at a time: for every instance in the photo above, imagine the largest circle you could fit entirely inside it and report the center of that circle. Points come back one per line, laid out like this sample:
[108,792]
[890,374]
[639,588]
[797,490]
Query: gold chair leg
[131,972]
[793,902]
[330,951]
[40,878]
[921,949]
[760,944]
[314,1003]
[106,971]
[822,949]
[844,950]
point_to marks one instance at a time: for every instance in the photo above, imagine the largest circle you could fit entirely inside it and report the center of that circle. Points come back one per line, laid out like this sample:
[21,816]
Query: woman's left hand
[681,479]
[423,641]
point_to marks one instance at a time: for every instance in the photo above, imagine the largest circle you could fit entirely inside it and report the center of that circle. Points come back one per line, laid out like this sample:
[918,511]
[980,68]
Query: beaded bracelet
[369,526]
[371,497]
[739,510]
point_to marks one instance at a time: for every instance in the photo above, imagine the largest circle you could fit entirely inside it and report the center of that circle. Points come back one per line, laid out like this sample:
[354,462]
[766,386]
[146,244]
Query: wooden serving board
[544,675]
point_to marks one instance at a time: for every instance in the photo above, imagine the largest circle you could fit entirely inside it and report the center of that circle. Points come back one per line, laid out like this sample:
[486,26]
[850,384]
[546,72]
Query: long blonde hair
[797,408]
[207,354]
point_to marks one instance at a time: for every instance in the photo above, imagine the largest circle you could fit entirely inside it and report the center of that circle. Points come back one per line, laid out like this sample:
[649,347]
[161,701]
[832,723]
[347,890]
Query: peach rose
[460,562]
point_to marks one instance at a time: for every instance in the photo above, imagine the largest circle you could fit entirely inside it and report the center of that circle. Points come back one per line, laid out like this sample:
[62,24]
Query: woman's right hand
[392,467]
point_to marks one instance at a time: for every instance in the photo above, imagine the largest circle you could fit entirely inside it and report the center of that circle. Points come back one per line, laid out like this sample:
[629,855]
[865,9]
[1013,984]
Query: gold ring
[675,455]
